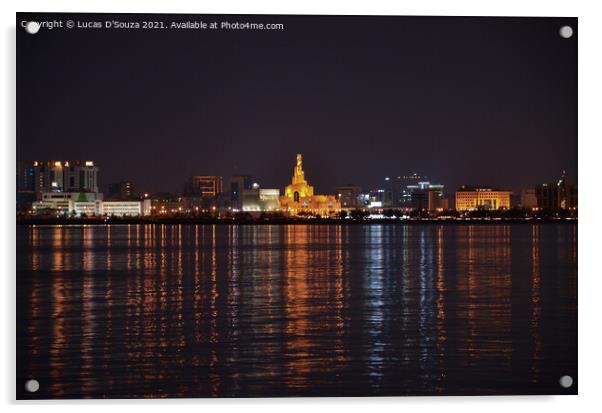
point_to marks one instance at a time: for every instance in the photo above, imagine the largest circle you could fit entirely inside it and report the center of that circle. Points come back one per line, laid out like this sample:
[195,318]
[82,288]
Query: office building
[376,198]
[349,196]
[25,185]
[424,196]
[65,176]
[258,199]
[401,183]
[204,186]
[558,195]
[528,198]
[125,208]
[239,184]
[472,198]
[68,203]
[167,204]
[122,190]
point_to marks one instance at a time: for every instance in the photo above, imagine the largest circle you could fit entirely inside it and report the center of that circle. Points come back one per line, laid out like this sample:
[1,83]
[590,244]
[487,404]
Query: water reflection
[160,310]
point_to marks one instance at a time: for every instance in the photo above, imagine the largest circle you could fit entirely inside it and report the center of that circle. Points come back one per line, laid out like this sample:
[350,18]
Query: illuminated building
[125,208]
[204,186]
[65,176]
[349,196]
[401,187]
[68,203]
[299,196]
[426,196]
[470,198]
[259,199]
[376,198]
[88,203]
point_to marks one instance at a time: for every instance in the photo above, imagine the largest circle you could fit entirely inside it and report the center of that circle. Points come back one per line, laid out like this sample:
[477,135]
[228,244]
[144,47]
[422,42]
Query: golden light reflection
[158,310]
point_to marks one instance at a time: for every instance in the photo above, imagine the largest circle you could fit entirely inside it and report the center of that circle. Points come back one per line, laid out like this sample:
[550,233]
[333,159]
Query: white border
[590,118]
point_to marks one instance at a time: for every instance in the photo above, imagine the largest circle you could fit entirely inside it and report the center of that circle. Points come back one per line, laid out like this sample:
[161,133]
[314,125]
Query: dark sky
[489,101]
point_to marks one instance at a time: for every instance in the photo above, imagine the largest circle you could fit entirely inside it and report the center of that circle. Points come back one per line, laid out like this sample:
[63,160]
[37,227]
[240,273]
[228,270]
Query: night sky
[485,101]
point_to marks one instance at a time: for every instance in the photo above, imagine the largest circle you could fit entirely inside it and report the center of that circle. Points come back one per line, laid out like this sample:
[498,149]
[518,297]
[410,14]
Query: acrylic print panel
[266,206]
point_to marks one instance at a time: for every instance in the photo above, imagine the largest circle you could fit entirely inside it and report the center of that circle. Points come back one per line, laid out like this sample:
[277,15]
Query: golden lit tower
[298,188]
[299,196]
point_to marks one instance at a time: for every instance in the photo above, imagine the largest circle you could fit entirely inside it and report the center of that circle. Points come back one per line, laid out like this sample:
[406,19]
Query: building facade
[204,186]
[558,195]
[299,197]
[528,198]
[125,208]
[472,198]
[349,196]
[68,203]
[88,204]
[259,199]
[239,184]
[65,176]
[122,190]
[424,196]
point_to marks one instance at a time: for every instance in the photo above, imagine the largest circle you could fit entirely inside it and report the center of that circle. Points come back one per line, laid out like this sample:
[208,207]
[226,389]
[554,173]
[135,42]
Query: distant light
[89,163]
[57,163]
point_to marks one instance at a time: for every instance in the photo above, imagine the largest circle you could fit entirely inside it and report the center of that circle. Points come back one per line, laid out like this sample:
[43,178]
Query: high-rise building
[25,185]
[204,186]
[559,195]
[404,195]
[65,176]
[426,196]
[349,196]
[25,176]
[238,185]
[472,198]
[122,190]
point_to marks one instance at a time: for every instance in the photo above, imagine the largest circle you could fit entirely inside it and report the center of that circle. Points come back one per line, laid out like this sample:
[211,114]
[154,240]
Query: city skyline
[70,187]
[179,188]
[361,104]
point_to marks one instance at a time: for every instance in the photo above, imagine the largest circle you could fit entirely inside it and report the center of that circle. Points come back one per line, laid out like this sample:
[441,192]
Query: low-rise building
[528,198]
[89,204]
[125,208]
[74,203]
[349,196]
[472,198]
[259,199]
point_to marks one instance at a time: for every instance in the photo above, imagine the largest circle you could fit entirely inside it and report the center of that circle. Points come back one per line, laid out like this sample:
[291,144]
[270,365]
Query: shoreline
[287,221]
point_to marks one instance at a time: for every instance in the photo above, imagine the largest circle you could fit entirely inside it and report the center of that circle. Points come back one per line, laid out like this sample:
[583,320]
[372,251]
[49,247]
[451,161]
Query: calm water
[187,311]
